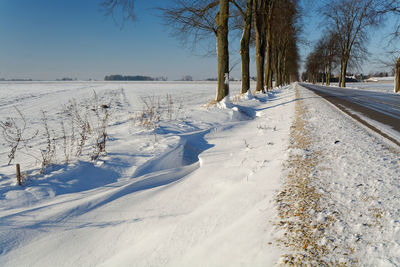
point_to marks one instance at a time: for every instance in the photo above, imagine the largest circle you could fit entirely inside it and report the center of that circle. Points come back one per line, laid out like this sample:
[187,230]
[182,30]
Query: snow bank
[358,178]
[197,190]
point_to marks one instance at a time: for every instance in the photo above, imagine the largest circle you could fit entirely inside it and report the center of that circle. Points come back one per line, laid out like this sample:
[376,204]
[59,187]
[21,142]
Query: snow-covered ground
[384,102]
[358,178]
[199,192]
[381,87]
[196,188]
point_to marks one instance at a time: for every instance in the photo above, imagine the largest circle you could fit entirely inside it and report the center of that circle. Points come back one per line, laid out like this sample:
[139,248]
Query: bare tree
[313,66]
[331,46]
[222,19]
[246,14]
[192,20]
[268,66]
[291,61]
[110,7]
[326,54]
[260,27]
[276,31]
[351,20]
[195,18]
[397,76]
[284,37]
[393,7]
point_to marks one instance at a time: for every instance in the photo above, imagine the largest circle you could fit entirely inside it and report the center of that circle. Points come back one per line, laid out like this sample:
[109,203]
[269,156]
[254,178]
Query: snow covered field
[197,188]
[382,87]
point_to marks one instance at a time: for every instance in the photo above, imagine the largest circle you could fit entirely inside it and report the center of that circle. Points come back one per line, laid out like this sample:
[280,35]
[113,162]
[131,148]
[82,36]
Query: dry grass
[211,103]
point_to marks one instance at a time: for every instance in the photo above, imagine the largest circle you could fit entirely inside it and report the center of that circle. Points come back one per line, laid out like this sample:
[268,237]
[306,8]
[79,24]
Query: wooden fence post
[19,179]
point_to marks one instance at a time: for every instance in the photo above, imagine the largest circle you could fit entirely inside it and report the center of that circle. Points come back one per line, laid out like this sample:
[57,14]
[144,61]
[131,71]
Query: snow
[359,174]
[201,193]
[386,86]
[378,97]
[198,188]
[378,125]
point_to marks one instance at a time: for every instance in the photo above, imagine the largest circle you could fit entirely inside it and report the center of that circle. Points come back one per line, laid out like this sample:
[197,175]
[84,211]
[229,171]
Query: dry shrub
[102,116]
[154,111]
[90,121]
[79,119]
[82,124]
[13,131]
[48,154]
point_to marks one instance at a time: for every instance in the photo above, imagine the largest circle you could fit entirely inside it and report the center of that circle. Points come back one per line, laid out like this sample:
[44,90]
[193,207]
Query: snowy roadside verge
[357,181]
[299,203]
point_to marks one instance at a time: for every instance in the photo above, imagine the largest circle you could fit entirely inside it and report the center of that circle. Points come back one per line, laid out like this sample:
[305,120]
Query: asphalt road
[381,107]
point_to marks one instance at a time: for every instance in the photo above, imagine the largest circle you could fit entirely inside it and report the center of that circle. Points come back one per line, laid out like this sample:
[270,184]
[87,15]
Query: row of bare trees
[323,59]
[272,26]
[348,26]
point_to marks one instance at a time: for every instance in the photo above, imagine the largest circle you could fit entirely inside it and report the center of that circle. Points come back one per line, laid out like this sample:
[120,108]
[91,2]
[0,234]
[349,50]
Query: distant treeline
[118,77]
[15,80]
[66,79]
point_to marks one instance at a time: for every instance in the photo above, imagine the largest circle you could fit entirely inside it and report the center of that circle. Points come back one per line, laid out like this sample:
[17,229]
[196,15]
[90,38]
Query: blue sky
[50,39]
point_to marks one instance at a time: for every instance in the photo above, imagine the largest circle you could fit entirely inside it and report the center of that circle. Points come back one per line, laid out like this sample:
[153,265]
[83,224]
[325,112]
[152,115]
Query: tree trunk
[278,80]
[245,47]
[259,25]
[268,71]
[284,72]
[274,64]
[270,75]
[341,73]
[397,79]
[268,67]
[223,49]
[260,62]
[245,54]
[328,75]
[344,70]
